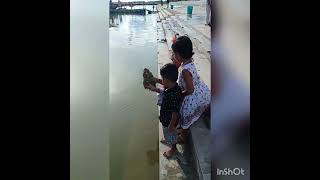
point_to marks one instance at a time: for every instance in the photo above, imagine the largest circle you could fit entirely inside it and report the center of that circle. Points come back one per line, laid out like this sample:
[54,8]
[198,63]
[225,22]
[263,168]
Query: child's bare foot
[163,141]
[170,153]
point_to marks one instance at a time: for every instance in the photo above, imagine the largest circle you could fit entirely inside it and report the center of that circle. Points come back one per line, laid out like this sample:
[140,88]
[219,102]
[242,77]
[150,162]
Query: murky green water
[133,137]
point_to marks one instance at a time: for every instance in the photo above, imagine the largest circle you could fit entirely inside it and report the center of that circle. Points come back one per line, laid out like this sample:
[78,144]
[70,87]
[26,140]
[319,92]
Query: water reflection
[153,156]
[115,20]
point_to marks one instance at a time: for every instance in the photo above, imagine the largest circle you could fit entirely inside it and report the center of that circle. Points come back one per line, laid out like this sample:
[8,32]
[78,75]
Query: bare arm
[158,80]
[189,83]
[152,88]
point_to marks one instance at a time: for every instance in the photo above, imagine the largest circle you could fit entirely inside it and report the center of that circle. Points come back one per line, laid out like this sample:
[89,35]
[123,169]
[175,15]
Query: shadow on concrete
[186,162]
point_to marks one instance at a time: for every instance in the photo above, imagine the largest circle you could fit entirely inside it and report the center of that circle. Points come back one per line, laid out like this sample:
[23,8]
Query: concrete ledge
[200,141]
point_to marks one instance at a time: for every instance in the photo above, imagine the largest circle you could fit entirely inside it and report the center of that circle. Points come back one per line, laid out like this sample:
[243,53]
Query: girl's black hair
[183,46]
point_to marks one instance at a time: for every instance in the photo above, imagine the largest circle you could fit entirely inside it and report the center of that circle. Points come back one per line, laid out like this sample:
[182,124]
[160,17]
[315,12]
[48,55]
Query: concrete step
[168,33]
[203,44]
[200,43]
[175,27]
[160,32]
[160,13]
[166,11]
[185,24]
[200,141]
[160,16]
[163,13]
[205,35]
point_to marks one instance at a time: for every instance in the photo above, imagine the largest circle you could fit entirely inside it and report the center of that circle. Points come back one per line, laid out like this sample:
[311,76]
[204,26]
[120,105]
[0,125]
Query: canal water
[134,133]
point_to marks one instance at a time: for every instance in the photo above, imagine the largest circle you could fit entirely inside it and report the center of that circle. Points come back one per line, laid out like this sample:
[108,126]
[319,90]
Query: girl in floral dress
[196,93]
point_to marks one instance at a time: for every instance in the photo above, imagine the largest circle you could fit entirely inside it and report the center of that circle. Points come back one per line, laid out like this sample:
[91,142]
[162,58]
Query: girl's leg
[184,135]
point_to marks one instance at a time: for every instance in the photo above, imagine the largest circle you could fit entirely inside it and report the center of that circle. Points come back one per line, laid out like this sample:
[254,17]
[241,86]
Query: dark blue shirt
[171,102]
